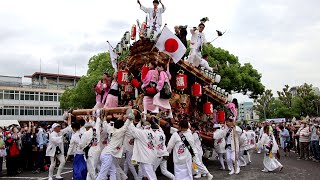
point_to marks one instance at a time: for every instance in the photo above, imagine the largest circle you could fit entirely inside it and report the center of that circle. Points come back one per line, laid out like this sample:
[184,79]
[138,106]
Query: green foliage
[288,106]
[83,96]
[239,78]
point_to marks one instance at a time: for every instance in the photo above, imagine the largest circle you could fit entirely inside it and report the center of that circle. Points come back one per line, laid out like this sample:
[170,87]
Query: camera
[183,27]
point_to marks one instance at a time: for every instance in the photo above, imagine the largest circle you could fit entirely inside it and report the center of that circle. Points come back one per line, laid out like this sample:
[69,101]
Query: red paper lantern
[133,32]
[128,89]
[123,77]
[181,81]
[135,83]
[196,90]
[208,108]
[144,72]
[221,116]
[143,29]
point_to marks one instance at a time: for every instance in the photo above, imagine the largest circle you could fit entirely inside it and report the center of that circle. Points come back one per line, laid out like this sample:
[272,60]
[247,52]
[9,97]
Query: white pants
[183,171]
[242,161]
[231,159]
[92,163]
[201,167]
[163,167]
[248,156]
[221,160]
[120,174]
[128,165]
[107,167]
[62,160]
[146,170]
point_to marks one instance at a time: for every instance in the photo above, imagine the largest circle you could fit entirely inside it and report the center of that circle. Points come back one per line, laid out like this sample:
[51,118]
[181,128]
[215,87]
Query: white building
[38,101]
[246,112]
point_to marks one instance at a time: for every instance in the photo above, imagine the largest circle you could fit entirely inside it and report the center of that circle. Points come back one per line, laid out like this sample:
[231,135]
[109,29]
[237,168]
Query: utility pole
[264,110]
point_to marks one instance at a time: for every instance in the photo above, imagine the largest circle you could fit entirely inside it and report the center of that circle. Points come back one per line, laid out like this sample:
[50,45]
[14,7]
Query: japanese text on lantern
[128,88]
[180,81]
[125,77]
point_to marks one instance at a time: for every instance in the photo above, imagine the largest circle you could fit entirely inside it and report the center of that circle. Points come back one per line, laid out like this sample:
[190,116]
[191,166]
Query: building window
[22,111]
[1,94]
[36,111]
[8,95]
[22,95]
[36,96]
[29,111]
[41,96]
[8,110]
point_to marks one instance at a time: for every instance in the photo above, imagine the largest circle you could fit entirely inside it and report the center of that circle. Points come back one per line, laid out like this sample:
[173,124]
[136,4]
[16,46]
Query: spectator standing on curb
[304,138]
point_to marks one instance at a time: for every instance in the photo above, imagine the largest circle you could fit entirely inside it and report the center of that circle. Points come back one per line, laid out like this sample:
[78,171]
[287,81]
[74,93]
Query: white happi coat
[55,140]
[115,146]
[95,148]
[219,143]
[160,140]
[74,144]
[230,139]
[157,17]
[264,141]
[144,145]
[197,39]
[251,135]
[204,63]
[243,142]
[197,144]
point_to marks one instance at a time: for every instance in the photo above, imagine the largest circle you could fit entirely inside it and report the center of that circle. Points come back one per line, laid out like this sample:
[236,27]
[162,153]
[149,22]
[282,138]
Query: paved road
[293,169]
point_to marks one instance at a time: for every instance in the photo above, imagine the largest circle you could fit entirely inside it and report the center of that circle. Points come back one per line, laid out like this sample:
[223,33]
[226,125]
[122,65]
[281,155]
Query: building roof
[52,75]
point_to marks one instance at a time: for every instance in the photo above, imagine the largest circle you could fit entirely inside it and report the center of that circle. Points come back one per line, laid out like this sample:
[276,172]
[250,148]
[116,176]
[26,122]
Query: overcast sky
[280,38]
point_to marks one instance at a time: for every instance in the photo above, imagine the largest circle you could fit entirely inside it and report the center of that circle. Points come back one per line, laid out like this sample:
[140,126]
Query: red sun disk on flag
[171,45]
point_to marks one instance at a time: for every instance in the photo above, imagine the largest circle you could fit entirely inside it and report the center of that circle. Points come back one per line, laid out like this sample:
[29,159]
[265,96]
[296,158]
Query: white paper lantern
[214,87]
[217,79]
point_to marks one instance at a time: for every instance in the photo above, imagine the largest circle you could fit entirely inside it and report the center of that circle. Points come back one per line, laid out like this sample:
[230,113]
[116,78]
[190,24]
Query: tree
[264,104]
[83,96]
[307,101]
[234,76]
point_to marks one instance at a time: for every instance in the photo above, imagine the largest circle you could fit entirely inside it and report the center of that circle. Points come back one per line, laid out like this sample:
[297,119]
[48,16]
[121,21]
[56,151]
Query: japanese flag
[171,45]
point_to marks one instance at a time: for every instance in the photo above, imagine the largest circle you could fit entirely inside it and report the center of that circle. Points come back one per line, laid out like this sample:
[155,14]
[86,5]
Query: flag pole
[218,36]
[165,25]
[113,52]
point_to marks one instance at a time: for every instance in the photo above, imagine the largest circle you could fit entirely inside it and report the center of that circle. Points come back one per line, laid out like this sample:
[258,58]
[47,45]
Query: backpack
[166,92]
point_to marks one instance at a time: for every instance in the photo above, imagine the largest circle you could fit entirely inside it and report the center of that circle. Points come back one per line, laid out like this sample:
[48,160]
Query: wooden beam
[109,110]
[196,72]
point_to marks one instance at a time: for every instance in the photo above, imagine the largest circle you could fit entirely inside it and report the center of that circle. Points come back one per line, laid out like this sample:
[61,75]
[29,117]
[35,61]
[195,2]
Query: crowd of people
[301,137]
[97,144]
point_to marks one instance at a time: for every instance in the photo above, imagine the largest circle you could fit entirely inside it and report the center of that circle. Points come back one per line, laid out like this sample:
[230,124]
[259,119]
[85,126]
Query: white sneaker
[209,176]
[264,170]
[59,177]
[231,172]
[238,170]
[50,178]
[197,176]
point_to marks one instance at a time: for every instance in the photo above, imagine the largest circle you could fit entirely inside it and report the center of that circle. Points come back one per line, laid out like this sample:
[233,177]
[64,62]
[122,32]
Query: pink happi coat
[233,109]
[152,76]
[162,103]
[100,100]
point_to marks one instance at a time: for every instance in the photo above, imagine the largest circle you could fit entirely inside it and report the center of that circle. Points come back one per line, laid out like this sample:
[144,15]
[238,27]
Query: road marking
[36,178]
[20,178]
[67,172]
